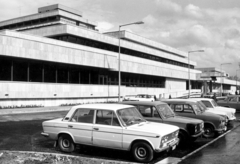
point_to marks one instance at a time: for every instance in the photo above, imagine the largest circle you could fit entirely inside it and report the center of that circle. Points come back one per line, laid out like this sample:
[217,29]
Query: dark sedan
[190,129]
[232,101]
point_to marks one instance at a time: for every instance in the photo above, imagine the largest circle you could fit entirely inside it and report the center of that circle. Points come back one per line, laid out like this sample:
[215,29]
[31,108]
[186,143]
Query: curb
[195,151]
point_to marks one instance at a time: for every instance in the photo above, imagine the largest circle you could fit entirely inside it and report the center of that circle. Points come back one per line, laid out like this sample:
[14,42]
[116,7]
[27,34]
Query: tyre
[66,144]
[142,152]
[209,131]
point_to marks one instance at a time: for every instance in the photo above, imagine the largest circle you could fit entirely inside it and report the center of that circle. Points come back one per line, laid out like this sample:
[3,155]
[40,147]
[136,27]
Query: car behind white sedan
[214,108]
[113,126]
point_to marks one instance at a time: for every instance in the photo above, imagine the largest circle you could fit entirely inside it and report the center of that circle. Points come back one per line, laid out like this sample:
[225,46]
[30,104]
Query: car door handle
[95,128]
[70,126]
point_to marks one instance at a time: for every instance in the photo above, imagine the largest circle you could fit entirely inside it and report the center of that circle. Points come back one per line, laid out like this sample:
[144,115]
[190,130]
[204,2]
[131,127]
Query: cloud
[104,26]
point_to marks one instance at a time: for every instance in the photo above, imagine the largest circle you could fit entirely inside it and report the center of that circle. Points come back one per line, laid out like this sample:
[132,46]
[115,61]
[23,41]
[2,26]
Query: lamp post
[119,61]
[189,89]
[236,79]
[221,89]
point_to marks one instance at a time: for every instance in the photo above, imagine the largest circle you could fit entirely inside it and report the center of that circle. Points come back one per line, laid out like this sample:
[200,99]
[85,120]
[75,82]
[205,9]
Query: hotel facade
[57,57]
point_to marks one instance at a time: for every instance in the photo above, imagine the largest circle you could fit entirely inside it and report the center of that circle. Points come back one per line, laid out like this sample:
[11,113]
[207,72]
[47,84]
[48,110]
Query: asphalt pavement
[224,149]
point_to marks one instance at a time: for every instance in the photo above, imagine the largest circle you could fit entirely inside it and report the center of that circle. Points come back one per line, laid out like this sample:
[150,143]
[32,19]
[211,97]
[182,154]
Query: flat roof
[61,7]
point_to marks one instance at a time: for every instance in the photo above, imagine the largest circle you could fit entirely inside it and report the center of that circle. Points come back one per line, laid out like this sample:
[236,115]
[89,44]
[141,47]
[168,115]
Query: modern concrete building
[215,80]
[57,57]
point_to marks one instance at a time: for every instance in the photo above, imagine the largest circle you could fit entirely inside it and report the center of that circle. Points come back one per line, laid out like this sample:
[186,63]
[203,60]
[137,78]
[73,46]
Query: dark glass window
[20,70]
[62,74]
[5,69]
[35,72]
[49,73]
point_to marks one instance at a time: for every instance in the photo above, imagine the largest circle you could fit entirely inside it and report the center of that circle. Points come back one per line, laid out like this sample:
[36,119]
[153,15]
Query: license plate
[174,147]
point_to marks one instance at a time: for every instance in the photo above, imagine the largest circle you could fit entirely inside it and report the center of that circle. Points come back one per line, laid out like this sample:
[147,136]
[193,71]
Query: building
[57,57]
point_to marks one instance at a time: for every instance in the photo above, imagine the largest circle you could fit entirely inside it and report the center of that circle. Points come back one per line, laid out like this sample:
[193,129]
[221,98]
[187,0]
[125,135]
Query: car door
[183,110]
[80,126]
[233,102]
[107,131]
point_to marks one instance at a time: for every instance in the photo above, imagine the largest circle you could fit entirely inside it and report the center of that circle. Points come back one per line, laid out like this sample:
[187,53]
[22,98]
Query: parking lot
[21,132]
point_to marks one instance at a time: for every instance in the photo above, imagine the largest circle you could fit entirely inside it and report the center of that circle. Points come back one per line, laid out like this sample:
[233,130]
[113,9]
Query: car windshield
[214,103]
[130,116]
[165,111]
[202,107]
[207,103]
[196,108]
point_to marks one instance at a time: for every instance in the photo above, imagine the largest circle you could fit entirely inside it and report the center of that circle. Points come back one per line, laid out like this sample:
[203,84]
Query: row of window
[104,46]
[15,69]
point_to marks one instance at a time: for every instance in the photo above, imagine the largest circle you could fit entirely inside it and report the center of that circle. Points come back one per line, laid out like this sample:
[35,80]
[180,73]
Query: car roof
[105,106]
[202,98]
[179,100]
[233,96]
[143,102]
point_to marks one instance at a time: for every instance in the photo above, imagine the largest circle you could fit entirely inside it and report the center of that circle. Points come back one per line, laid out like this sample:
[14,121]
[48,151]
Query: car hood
[181,119]
[210,110]
[232,110]
[152,129]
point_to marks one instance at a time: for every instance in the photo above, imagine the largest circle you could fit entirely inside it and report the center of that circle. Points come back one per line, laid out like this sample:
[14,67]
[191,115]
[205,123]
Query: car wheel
[208,131]
[142,152]
[65,143]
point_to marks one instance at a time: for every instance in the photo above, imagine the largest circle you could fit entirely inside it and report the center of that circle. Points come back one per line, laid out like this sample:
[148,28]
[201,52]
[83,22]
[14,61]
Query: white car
[139,97]
[213,107]
[113,126]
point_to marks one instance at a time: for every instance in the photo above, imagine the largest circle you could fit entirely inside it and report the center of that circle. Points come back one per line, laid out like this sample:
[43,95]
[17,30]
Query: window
[148,111]
[178,108]
[207,104]
[165,111]
[83,115]
[105,117]
[187,108]
[233,99]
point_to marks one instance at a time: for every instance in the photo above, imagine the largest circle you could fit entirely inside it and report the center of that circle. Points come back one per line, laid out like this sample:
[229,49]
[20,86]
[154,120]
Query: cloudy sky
[187,25]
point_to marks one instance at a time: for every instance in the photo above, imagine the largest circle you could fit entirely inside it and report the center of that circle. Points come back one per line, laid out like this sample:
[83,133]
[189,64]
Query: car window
[207,104]
[105,117]
[233,99]
[83,115]
[178,108]
[148,111]
[187,108]
[145,110]
[165,111]
[197,108]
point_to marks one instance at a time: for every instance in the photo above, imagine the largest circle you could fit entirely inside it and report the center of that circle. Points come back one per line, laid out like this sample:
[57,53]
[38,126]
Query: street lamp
[221,89]
[189,70]
[119,61]
[236,78]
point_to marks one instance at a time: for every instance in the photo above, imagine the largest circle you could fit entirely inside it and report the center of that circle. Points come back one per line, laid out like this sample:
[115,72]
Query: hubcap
[141,152]
[65,143]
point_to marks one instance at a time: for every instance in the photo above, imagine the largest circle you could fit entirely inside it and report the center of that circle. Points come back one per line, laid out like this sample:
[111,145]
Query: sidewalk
[34,110]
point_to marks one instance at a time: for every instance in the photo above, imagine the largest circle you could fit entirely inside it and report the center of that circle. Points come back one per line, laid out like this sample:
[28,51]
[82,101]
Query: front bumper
[197,135]
[170,146]
[45,134]
[221,129]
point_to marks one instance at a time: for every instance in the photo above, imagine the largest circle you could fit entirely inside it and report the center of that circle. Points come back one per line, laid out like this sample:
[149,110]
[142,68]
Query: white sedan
[213,107]
[114,126]
[139,97]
